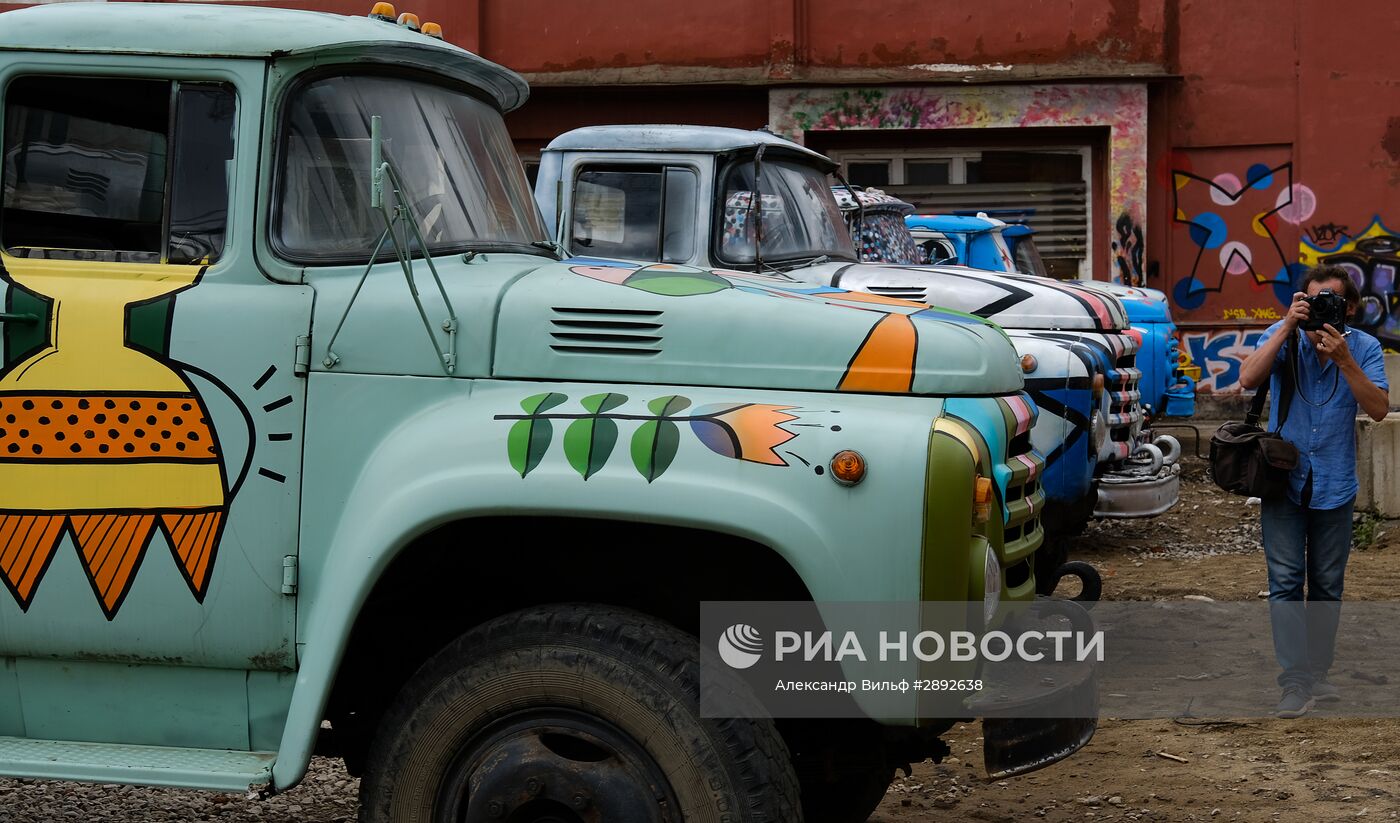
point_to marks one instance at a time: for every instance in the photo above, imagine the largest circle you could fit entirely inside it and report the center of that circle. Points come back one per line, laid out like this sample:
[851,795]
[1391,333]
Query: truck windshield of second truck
[795,219]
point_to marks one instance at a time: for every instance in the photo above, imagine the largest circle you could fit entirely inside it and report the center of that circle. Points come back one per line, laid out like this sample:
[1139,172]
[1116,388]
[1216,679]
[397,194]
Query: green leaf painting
[655,443]
[669,406]
[530,437]
[589,441]
[742,431]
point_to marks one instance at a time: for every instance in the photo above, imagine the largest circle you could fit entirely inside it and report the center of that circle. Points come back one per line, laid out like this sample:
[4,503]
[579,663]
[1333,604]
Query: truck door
[150,417]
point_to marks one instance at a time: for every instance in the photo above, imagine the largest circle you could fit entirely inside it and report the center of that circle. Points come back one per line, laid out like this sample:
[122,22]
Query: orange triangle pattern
[27,544]
[111,546]
[193,538]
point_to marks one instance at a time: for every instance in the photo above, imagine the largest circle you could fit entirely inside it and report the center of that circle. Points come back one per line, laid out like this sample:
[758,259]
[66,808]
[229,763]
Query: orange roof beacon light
[382,11]
[409,20]
[982,500]
[432,30]
[848,467]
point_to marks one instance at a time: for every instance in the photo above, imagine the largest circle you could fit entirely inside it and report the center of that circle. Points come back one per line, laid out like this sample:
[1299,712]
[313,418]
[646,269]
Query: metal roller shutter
[1059,213]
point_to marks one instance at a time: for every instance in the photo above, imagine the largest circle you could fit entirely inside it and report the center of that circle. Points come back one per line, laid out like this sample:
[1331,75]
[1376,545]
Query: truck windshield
[462,178]
[799,218]
[1026,255]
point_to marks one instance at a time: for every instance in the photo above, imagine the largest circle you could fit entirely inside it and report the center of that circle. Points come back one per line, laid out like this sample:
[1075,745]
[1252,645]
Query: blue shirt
[1321,422]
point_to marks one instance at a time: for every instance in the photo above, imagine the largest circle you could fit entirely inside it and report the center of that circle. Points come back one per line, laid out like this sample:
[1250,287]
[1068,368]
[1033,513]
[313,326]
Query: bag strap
[1287,381]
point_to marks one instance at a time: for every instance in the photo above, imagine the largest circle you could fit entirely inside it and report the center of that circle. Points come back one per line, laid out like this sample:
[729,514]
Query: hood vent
[617,332]
[917,294]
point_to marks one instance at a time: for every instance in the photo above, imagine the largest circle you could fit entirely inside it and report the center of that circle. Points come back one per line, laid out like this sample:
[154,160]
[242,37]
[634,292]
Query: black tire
[1092,588]
[617,680]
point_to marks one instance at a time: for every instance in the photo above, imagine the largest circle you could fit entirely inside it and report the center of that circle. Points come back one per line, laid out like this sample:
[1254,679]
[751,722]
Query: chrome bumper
[1148,484]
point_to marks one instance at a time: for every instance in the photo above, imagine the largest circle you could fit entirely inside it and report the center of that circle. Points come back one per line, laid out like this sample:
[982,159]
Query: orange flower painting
[752,431]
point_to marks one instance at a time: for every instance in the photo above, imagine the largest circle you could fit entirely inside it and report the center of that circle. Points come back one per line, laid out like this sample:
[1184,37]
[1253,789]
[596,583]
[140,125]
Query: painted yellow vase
[103,440]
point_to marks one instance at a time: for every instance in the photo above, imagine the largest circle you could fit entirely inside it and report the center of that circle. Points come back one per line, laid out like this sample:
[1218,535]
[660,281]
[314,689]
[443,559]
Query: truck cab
[312,442]
[685,195]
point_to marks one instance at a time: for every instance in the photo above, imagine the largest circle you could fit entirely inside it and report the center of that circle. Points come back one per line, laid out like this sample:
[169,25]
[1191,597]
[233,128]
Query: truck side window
[679,217]
[618,212]
[89,171]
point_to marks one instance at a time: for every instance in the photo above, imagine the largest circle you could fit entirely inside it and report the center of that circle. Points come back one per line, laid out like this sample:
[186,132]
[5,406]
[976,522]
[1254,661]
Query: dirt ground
[1313,770]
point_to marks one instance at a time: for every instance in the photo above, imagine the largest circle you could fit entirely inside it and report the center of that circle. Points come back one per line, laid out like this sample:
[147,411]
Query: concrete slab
[1378,465]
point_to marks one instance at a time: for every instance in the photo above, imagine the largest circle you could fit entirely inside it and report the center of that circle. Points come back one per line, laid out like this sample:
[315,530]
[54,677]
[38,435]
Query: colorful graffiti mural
[1128,252]
[1220,354]
[1120,107]
[1372,258]
[1237,219]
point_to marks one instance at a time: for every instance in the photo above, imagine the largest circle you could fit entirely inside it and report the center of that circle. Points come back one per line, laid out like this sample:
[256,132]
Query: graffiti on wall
[1372,259]
[1120,107]
[1127,252]
[1236,228]
[1220,354]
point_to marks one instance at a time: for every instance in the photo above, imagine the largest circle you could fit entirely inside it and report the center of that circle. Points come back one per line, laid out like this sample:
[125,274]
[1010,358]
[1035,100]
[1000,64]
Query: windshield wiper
[544,248]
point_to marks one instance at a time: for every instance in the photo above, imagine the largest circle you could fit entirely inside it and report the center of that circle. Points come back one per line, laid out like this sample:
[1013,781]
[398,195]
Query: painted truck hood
[1142,305]
[1011,300]
[596,320]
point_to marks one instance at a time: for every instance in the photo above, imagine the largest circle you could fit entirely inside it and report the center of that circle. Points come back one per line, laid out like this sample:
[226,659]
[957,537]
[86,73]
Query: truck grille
[1124,398]
[618,332]
[997,431]
[1023,499]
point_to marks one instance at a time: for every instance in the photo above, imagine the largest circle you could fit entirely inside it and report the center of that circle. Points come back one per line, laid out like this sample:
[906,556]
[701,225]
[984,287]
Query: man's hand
[1331,343]
[1373,400]
[1297,313]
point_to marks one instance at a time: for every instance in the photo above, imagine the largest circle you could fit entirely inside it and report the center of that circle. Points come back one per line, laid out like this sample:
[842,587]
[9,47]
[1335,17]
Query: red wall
[1308,89]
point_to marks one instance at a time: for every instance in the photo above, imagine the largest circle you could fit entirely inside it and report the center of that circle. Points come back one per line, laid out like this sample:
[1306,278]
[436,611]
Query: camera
[1326,308]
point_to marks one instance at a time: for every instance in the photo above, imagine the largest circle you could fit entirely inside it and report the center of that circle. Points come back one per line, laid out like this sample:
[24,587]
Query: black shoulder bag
[1245,459]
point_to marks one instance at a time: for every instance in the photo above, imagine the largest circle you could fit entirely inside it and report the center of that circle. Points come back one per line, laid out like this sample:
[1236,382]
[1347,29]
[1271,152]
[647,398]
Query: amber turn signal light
[409,20]
[1029,363]
[848,467]
[1098,385]
[432,30]
[383,11]
[982,500]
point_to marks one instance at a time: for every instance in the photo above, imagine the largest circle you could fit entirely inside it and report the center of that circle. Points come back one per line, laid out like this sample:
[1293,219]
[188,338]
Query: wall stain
[1391,141]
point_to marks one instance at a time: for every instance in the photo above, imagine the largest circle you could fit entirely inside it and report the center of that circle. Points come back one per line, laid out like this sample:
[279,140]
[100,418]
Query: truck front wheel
[571,713]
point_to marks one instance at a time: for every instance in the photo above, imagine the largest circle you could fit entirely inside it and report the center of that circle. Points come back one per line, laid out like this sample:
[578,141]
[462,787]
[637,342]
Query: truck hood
[1142,305]
[604,321]
[1015,301]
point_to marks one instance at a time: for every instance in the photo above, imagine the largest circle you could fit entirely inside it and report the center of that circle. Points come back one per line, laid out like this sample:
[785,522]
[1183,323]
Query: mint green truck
[311,442]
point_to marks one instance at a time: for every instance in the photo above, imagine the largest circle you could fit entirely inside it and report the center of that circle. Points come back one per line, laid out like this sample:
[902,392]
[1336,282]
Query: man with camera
[1319,379]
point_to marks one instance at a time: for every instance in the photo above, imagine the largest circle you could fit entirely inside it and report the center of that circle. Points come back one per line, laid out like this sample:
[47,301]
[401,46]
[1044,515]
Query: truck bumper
[1036,714]
[1147,486]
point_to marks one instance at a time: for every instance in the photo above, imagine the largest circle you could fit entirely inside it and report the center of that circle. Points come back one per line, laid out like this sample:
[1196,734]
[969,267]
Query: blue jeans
[1305,545]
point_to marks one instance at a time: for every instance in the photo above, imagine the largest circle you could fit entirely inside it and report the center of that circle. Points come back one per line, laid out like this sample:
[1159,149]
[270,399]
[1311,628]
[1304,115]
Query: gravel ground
[326,796]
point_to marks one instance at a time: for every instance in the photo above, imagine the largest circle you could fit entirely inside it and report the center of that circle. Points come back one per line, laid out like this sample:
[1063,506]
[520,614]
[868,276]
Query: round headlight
[1098,433]
[991,586]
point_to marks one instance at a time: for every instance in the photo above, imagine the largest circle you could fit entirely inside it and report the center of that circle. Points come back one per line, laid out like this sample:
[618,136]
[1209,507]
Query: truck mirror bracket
[399,220]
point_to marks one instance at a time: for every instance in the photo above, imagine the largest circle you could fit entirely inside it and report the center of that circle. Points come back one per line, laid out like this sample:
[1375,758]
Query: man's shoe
[1324,692]
[1295,703]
